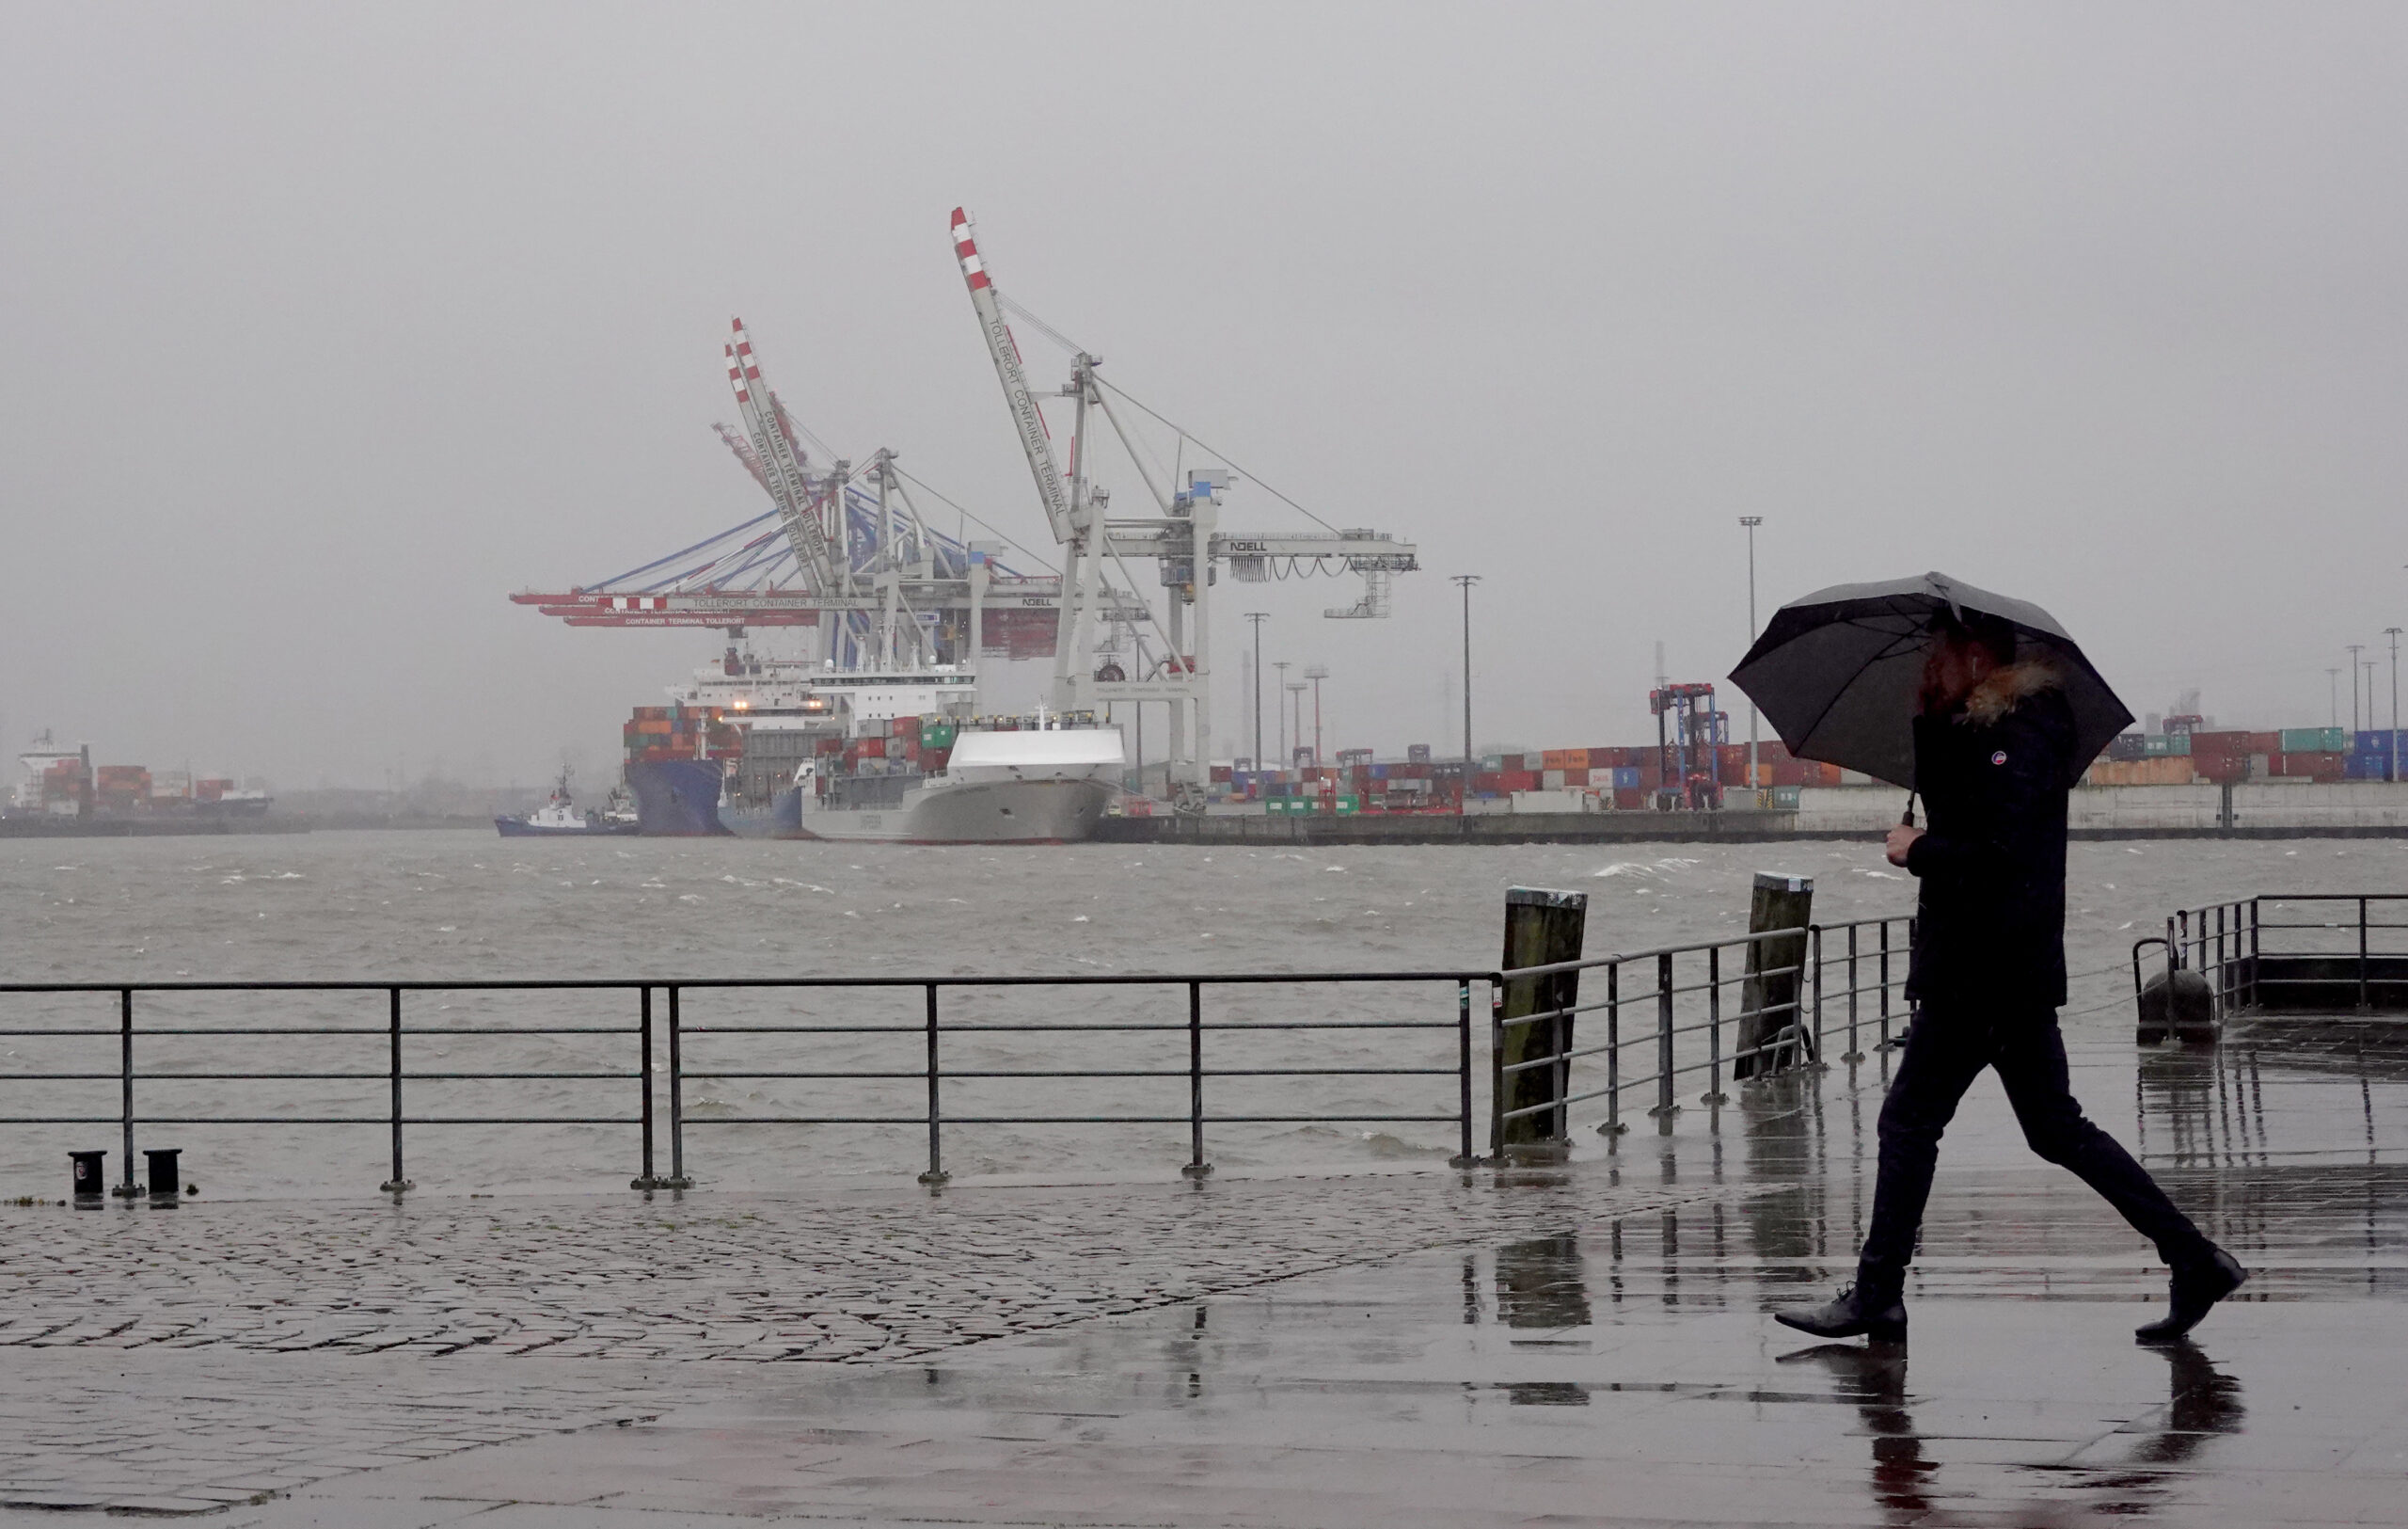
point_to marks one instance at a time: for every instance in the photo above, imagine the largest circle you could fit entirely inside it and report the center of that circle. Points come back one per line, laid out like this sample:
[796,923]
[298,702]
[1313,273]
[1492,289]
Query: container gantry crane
[1183,539]
[849,553]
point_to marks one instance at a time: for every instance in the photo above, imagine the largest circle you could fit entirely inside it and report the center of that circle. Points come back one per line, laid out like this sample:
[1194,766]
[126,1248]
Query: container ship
[59,791]
[789,748]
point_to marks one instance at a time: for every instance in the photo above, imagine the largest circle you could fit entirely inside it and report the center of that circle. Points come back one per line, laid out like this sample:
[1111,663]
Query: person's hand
[1902,839]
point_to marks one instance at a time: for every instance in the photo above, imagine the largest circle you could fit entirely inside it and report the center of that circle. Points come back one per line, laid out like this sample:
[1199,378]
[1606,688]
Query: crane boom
[1035,440]
[782,471]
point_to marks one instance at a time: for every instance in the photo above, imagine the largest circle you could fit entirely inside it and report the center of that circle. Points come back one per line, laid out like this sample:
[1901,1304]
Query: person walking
[1994,739]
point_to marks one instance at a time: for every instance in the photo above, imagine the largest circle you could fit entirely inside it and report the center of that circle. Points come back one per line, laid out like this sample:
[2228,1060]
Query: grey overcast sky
[326,327]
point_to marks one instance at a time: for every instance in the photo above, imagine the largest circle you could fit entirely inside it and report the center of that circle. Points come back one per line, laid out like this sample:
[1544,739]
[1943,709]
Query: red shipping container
[869,748]
[2324,767]
[1488,783]
[2265,743]
[1521,780]
[1630,797]
[1578,777]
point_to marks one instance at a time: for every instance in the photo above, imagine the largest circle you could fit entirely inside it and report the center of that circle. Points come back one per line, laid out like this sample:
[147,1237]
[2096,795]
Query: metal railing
[1692,1002]
[667,1019]
[1851,980]
[2251,950]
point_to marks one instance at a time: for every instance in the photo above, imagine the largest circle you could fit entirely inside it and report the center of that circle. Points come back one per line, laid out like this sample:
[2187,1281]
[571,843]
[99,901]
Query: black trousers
[1946,1049]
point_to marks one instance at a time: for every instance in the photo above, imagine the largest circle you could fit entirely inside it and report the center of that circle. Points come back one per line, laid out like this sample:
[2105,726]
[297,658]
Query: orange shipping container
[1565,760]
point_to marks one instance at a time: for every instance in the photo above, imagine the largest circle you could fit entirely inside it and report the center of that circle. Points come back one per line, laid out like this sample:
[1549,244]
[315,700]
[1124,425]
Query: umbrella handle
[1908,820]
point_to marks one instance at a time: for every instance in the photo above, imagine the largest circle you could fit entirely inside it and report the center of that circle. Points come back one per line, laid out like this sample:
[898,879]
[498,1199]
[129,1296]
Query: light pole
[1257,617]
[1750,523]
[1464,582]
[1316,673]
[2391,770]
[1296,698]
[1282,665]
[2333,689]
[2356,649]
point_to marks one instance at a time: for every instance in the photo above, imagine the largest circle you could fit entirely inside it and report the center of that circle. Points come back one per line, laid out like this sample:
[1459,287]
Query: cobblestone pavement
[184,1358]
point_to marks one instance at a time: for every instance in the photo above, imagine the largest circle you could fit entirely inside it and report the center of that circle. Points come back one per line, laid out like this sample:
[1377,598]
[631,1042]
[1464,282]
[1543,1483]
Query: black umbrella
[1839,674]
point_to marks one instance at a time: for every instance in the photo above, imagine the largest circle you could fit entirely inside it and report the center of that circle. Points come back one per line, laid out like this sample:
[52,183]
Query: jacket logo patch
[1999,758]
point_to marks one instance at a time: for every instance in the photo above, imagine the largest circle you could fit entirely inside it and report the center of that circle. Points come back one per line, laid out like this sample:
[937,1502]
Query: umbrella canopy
[1839,674]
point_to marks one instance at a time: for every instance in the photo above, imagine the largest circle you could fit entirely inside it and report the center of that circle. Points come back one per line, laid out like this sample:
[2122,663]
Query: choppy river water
[434,905]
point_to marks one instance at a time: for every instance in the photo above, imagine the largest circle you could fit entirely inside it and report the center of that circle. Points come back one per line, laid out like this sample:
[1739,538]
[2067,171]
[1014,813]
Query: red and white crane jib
[1035,440]
[783,473]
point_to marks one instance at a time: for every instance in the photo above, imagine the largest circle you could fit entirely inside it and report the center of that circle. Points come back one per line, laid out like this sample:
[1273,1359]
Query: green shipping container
[2314,740]
[1784,799]
[1348,803]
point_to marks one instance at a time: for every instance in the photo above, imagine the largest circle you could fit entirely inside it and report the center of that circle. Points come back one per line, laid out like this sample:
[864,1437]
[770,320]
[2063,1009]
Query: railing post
[2257,949]
[676,1179]
[1463,1067]
[1613,1125]
[1814,944]
[1196,1166]
[1714,1094]
[2362,1005]
[397,1184]
[125,1081]
[1854,1052]
[1885,984]
[643,1040]
[936,1174]
[1665,1109]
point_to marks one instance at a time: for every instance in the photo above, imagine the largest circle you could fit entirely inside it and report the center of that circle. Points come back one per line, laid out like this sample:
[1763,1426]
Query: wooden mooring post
[1542,928]
[1773,996]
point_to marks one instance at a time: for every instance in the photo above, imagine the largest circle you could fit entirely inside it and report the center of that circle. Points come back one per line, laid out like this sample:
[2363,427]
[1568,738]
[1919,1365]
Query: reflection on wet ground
[1625,1372]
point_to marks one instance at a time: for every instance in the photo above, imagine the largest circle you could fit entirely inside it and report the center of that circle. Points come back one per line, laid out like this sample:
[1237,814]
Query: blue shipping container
[1626,777]
[2372,742]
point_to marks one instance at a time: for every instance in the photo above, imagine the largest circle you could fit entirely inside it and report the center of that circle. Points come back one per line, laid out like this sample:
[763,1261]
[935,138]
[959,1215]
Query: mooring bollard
[89,1176]
[1769,999]
[1542,928]
[166,1181]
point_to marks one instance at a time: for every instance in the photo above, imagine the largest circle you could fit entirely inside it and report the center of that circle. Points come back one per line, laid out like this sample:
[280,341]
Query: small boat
[559,818]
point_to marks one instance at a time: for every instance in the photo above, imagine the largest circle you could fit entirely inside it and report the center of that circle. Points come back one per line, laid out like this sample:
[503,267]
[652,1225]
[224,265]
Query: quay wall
[2353,810]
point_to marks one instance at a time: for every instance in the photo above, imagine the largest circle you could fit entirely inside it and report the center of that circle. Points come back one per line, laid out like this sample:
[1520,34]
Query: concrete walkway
[1589,1347]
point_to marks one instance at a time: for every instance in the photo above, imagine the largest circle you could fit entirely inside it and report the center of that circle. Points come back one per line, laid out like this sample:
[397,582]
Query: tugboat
[559,818]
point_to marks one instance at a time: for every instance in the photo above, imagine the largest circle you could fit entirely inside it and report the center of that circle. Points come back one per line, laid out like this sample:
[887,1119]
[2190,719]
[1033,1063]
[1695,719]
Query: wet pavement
[1591,1346]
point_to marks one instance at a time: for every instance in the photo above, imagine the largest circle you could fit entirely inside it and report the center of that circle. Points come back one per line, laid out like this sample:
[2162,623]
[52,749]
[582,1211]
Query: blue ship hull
[676,798]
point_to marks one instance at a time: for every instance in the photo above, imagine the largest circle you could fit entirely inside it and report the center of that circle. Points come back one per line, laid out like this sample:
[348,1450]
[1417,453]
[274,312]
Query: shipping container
[1565,760]
[2320,764]
[2162,769]
[1784,799]
[1630,797]
[1417,754]
[2313,740]
[2265,743]
[2373,743]
[2127,746]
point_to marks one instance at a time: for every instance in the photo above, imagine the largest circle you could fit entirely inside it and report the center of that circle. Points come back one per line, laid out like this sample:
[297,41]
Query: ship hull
[676,798]
[782,818]
[999,812]
[521,828]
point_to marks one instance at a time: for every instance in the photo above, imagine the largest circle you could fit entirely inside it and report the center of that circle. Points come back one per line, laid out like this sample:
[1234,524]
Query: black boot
[1875,1306]
[2196,1289]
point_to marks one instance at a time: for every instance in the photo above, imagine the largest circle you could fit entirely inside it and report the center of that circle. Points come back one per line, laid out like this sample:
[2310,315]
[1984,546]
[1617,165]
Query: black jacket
[1994,774]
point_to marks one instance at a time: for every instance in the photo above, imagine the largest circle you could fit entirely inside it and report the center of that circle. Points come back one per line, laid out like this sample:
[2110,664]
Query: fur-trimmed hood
[2002,690]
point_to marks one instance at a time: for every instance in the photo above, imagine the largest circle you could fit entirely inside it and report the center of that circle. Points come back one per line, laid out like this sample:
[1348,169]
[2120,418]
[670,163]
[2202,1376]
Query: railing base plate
[935,1178]
[1536,1153]
[1195,1170]
[394,1186]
